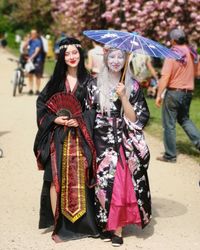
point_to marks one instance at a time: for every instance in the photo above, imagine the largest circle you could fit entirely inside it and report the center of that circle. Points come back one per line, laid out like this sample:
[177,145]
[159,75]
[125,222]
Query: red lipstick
[72,61]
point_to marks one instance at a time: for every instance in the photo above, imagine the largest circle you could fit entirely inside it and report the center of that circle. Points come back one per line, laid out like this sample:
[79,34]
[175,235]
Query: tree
[155,18]
[73,17]
[5,9]
[28,14]
[150,18]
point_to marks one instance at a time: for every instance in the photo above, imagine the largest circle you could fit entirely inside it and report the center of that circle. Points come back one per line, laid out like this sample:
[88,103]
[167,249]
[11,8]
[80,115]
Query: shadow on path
[4,133]
[187,148]
[163,208]
[166,208]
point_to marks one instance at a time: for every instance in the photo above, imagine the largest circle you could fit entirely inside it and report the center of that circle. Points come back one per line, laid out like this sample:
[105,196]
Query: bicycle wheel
[21,82]
[15,82]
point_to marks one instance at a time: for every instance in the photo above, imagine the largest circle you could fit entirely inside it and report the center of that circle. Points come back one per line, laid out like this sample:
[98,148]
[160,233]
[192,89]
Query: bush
[11,41]
[4,25]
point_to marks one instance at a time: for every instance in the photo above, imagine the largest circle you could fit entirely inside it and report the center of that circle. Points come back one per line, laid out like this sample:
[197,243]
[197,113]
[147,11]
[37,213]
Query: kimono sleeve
[45,122]
[44,117]
[89,113]
[139,104]
[133,136]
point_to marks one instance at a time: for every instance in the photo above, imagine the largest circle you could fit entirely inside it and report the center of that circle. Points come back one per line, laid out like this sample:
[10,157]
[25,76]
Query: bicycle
[18,80]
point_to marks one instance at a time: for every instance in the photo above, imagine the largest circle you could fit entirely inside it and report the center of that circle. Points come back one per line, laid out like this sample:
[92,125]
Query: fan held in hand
[64,104]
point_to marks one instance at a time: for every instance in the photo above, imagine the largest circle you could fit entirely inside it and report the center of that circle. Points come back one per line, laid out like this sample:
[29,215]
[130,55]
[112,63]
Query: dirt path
[174,188]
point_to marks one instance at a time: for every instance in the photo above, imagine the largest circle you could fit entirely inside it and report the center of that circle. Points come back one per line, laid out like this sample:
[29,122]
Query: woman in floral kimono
[122,191]
[64,148]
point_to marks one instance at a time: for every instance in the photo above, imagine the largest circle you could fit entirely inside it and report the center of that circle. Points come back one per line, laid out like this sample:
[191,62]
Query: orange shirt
[181,75]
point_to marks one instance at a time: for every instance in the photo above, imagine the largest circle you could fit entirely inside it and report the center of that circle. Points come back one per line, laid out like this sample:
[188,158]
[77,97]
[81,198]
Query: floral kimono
[122,190]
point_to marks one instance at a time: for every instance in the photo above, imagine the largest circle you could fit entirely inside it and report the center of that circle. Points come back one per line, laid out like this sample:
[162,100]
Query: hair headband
[66,45]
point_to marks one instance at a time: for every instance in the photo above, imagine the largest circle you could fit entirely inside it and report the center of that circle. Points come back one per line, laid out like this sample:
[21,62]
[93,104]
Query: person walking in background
[177,78]
[35,54]
[144,72]
[122,190]
[95,58]
[64,148]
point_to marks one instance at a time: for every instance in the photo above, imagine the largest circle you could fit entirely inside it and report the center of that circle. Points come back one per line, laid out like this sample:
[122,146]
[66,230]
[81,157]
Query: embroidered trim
[73,202]
[54,164]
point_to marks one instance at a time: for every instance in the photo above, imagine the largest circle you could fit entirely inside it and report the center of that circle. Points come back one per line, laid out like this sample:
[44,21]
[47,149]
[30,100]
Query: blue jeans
[176,106]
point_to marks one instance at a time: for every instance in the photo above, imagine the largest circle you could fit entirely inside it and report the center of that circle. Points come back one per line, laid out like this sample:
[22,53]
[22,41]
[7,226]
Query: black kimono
[67,156]
[122,190]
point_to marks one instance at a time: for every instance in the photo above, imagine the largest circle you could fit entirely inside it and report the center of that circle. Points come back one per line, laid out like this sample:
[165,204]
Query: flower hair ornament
[66,45]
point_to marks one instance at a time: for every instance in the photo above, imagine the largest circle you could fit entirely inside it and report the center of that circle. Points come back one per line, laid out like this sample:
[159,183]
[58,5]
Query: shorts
[39,68]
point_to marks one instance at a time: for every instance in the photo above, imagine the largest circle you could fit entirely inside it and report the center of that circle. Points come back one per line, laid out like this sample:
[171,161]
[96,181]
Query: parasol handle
[125,68]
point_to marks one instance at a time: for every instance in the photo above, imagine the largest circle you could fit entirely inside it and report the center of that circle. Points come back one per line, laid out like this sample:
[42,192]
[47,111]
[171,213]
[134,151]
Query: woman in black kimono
[64,148]
[122,190]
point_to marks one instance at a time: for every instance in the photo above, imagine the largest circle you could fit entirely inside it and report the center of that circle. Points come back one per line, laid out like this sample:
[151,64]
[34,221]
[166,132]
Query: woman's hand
[72,123]
[120,90]
[62,120]
[128,108]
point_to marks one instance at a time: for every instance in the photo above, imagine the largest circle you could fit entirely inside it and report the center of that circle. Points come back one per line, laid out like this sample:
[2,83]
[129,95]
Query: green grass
[49,66]
[184,145]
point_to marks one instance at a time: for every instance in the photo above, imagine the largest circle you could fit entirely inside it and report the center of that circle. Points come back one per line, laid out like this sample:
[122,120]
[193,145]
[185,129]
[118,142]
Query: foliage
[10,37]
[150,18]
[27,14]
[71,17]
[4,20]
[155,18]
[4,25]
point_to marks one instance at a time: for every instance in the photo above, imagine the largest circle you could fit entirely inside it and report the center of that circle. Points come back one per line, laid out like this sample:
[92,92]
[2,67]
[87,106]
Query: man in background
[35,54]
[177,78]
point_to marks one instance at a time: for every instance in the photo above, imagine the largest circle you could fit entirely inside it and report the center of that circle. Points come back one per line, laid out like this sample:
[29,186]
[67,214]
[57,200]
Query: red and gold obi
[73,196]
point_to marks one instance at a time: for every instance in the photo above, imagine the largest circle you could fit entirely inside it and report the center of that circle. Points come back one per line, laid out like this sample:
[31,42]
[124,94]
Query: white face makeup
[72,56]
[115,60]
